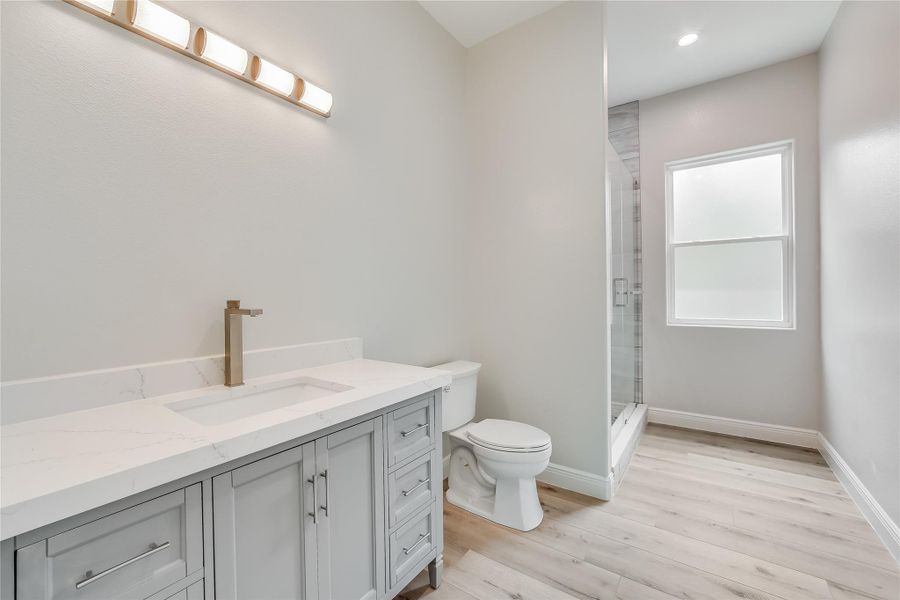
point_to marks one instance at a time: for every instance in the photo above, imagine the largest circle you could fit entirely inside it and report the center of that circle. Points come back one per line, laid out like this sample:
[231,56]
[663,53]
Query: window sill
[771,326]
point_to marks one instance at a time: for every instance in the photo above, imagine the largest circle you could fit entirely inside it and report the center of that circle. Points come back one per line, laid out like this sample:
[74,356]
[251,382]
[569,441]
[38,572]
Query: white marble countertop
[60,466]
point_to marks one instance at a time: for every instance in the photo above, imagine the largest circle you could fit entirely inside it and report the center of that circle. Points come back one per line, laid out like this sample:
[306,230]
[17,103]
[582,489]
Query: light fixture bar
[154,22]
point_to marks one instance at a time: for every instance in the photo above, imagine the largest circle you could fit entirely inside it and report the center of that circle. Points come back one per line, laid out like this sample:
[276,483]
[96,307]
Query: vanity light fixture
[687,39]
[160,22]
[214,47]
[155,22]
[104,6]
[273,76]
[314,97]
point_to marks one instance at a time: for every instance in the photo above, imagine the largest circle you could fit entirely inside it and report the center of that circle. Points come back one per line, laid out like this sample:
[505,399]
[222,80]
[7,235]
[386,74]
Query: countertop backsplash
[26,399]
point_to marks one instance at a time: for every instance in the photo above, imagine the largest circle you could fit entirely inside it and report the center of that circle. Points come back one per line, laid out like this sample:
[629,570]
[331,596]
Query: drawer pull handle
[413,430]
[422,538]
[91,578]
[417,486]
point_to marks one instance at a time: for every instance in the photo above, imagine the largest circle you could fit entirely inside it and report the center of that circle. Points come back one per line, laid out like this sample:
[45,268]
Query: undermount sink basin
[237,403]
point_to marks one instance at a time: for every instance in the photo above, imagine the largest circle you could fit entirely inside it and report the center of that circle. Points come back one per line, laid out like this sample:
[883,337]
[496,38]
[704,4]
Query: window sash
[788,321]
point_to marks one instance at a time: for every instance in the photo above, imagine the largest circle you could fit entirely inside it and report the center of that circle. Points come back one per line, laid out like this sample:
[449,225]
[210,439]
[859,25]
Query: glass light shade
[104,6]
[162,23]
[222,52]
[316,98]
[274,77]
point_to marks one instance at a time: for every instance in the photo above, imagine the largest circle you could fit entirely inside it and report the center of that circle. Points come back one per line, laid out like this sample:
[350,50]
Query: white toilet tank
[459,401]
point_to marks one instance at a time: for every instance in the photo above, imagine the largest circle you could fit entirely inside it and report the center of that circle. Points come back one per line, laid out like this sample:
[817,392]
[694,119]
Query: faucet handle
[233,304]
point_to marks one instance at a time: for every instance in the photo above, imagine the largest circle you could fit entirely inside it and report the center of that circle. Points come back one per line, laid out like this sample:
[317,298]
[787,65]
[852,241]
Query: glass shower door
[622,273]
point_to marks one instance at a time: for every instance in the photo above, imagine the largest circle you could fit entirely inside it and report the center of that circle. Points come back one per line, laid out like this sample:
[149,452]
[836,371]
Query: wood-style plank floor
[697,517]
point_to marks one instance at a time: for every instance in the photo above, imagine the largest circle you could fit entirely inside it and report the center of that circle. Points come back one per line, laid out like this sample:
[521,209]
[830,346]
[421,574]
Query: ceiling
[473,21]
[735,36]
[644,59]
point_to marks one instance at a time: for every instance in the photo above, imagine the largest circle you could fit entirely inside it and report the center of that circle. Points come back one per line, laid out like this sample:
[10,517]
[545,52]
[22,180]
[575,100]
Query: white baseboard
[886,529]
[579,481]
[781,434]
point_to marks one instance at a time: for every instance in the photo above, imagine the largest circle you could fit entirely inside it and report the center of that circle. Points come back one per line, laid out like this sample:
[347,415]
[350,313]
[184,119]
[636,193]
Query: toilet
[493,463]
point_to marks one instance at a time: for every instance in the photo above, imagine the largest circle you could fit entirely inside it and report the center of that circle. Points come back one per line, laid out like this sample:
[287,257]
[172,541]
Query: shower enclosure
[628,412]
[622,272]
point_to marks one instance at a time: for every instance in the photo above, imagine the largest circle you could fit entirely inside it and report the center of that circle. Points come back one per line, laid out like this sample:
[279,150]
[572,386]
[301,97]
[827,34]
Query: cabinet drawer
[192,592]
[133,553]
[411,543]
[410,430]
[411,488]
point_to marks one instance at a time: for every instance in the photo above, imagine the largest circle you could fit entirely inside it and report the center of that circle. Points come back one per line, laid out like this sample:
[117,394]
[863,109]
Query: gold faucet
[234,343]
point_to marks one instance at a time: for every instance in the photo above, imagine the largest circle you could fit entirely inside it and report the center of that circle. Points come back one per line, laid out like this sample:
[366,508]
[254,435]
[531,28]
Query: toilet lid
[498,433]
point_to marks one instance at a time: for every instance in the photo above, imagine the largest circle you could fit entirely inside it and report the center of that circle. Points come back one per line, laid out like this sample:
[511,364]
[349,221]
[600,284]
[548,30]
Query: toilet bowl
[494,462]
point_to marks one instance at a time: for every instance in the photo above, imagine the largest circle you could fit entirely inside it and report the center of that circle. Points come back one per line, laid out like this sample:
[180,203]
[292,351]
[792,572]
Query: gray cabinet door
[263,528]
[351,539]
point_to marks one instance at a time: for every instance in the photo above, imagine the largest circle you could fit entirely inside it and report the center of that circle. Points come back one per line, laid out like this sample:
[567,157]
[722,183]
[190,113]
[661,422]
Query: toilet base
[515,505]
[512,502]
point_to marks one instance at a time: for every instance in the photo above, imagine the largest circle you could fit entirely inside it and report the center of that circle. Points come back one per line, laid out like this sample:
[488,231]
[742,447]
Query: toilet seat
[508,436]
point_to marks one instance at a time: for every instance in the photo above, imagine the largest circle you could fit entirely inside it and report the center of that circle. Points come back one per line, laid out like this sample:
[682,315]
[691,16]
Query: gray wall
[141,188]
[769,376]
[860,195]
[537,125]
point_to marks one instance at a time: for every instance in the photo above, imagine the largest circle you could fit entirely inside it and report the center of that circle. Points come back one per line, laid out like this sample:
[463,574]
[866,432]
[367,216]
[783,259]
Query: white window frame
[786,150]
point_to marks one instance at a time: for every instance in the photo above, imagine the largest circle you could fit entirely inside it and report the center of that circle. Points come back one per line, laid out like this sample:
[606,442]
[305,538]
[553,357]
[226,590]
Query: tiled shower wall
[624,135]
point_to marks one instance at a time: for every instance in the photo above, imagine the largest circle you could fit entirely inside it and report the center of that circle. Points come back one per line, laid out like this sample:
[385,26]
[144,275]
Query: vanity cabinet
[304,523]
[350,513]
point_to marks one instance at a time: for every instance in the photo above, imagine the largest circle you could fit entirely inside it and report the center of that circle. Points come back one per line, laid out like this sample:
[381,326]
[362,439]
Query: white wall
[536,118]
[770,376]
[860,195]
[142,189]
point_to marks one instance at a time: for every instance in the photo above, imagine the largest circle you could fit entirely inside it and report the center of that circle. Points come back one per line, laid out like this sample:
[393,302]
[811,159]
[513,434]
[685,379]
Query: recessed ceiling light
[687,39]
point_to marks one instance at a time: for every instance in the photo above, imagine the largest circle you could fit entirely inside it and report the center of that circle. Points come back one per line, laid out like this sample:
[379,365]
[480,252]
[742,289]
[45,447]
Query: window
[729,239]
